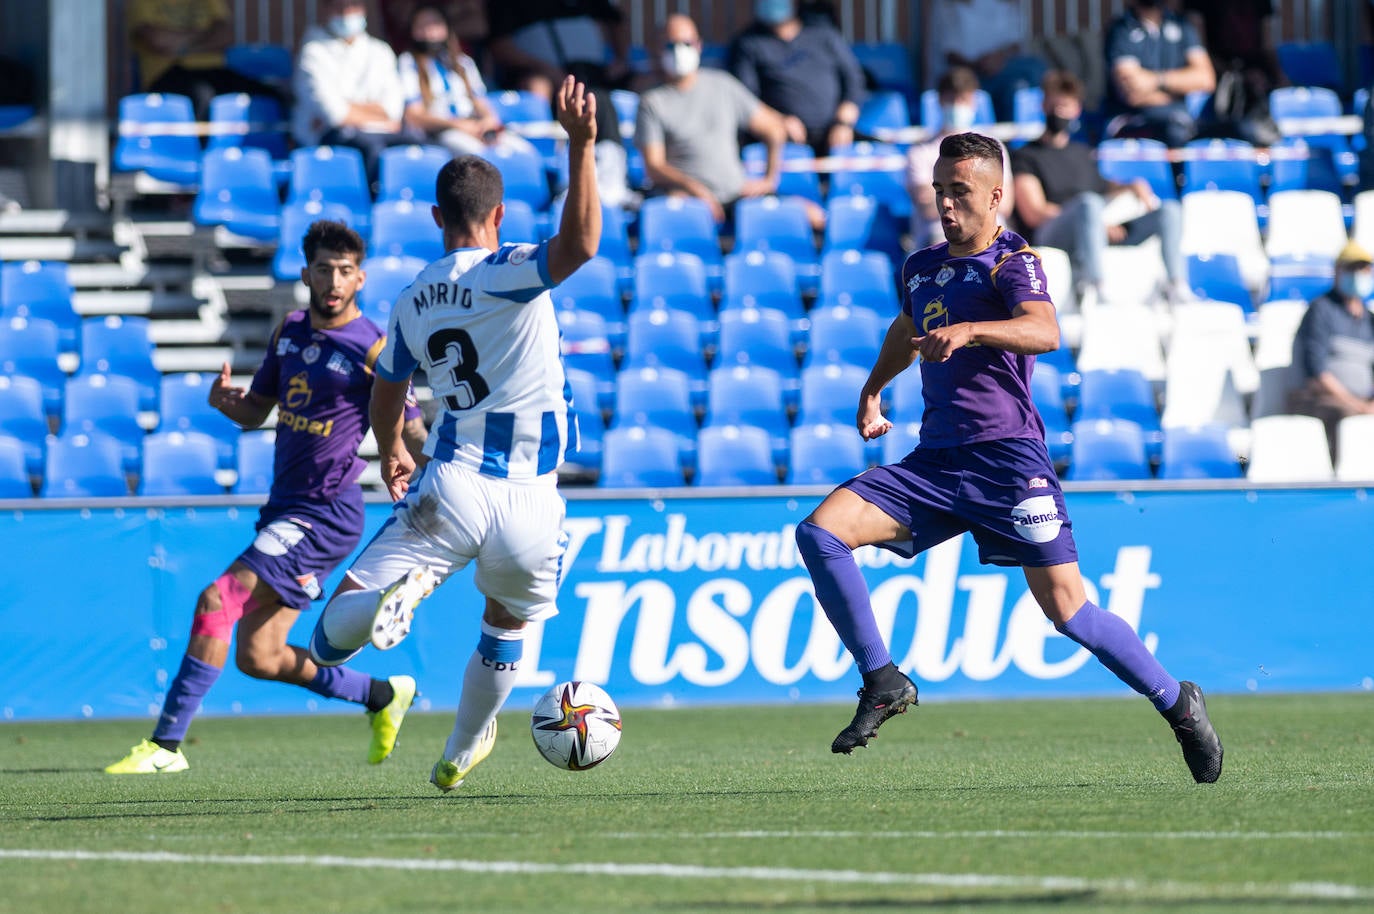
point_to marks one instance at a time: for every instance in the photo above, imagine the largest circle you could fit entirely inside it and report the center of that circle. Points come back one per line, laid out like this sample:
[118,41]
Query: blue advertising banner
[694,600]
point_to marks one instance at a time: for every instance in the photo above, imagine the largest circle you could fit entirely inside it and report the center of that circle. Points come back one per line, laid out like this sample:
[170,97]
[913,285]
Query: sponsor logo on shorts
[1038,482]
[310,585]
[1037,519]
[277,538]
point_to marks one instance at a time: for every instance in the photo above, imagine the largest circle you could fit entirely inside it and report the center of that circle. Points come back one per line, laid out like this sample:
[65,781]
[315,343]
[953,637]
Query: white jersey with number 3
[482,326]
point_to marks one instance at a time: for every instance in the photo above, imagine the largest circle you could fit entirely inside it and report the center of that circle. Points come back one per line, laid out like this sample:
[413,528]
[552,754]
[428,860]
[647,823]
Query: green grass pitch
[988,806]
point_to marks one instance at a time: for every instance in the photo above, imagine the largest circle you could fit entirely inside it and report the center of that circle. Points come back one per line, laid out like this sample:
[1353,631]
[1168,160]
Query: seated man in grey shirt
[688,128]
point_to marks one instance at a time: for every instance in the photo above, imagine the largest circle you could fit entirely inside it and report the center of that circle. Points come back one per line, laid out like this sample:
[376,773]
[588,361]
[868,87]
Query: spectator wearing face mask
[348,90]
[957,89]
[802,69]
[1334,346]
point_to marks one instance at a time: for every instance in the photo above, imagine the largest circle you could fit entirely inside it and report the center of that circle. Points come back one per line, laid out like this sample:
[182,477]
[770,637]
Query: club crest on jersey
[339,364]
[311,354]
[971,275]
[945,275]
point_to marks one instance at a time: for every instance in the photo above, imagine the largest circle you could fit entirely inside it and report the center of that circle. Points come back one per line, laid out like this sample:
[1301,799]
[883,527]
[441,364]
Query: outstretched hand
[576,111]
[223,394]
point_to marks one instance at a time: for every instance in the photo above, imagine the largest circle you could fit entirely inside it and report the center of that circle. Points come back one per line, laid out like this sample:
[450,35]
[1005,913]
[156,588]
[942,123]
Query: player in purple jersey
[976,312]
[318,373]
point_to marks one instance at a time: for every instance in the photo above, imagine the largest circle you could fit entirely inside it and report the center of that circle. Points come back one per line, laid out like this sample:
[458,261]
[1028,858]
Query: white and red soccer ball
[576,725]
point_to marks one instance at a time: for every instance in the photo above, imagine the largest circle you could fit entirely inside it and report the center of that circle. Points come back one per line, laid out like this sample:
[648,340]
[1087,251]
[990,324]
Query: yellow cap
[1353,253]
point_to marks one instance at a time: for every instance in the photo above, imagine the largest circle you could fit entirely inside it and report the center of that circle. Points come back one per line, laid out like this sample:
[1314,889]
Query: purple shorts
[299,545]
[1004,492]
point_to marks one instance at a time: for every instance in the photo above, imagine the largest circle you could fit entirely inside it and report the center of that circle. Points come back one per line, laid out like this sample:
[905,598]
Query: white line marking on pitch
[1297,890]
[1012,833]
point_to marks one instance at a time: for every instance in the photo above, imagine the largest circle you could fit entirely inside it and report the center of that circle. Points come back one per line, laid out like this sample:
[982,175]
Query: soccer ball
[576,725]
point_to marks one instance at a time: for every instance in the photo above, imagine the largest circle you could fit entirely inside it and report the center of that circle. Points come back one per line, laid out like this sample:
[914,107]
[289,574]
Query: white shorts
[452,515]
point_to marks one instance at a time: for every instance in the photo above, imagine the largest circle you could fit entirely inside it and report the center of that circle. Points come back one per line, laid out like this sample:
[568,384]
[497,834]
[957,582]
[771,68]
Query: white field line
[1011,834]
[1296,890]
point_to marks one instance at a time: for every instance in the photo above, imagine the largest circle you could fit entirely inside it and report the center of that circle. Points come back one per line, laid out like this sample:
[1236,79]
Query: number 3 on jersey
[452,348]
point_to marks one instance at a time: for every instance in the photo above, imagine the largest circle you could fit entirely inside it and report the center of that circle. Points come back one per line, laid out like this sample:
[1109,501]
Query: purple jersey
[980,393]
[321,381]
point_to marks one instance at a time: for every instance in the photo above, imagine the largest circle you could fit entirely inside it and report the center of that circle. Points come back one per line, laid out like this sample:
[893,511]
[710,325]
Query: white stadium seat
[1225,222]
[1122,336]
[1355,449]
[1278,323]
[1364,219]
[1305,222]
[1289,449]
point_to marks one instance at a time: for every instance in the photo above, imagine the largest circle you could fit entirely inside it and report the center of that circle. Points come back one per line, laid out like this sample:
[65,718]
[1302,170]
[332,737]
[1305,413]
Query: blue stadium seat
[595,288]
[1063,361]
[666,279]
[22,417]
[904,396]
[626,105]
[886,185]
[764,280]
[1300,276]
[889,65]
[585,453]
[1047,392]
[1301,164]
[105,405]
[830,394]
[585,342]
[1311,63]
[1217,277]
[883,110]
[800,180]
[900,440]
[849,223]
[781,225]
[252,122]
[659,397]
[1222,165]
[762,337]
[35,288]
[238,190]
[400,228]
[260,61]
[666,338]
[931,115]
[332,174]
[255,460]
[515,107]
[409,172]
[1028,105]
[591,396]
[121,346]
[28,348]
[1303,101]
[1198,452]
[84,466]
[735,455]
[179,463]
[523,174]
[636,457]
[826,454]
[1125,160]
[844,334]
[387,278]
[14,474]
[520,224]
[749,395]
[184,406]
[170,156]
[682,225]
[1107,449]
[289,259]
[1122,394]
[859,278]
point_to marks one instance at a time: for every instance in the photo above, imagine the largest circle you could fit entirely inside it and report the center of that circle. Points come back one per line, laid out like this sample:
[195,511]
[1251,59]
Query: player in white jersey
[481,324]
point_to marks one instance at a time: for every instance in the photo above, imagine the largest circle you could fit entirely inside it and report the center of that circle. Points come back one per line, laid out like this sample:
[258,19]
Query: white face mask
[957,117]
[680,60]
[1357,283]
[349,26]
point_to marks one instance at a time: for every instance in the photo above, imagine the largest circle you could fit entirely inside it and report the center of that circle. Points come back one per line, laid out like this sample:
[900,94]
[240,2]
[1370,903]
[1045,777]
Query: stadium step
[57,247]
[158,277]
[146,302]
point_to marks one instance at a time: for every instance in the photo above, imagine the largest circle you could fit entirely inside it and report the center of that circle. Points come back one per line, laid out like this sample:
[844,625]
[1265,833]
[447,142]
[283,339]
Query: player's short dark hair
[957,80]
[1062,82]
[467,190]
[960,146]
[332,236]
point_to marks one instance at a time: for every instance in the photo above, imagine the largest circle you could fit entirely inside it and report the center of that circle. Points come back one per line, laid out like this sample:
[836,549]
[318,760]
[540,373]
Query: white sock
[347,620]
[486,686]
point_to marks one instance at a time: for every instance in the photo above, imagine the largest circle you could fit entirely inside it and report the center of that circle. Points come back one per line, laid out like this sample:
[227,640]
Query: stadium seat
[401,228]
[888,64]
[409,172]
[1216,277]
[900,440]
[123,346]
[762,337]
[749,395]
[885,184]
[255,459]
[1222,165]
[595,287]
[830,394]
[296,218]
[1107,449]
[14,473]
[28,348]
[883,110]
[846,335]
[1300,276]
[185,407]
[781,225]
[1311,63]
[585,342]
[1047,392]
[1363,229]
[1122,336]
[658,397]
[179,463]
[1209,370]
[84,466]
[523,174]
[930,109]
[1225,222]
[859,278]
[155,138]
[734,455]
[1198,452]
[22,417]
[334,175]
[798,178]
[105,405]
[764,279]
[906,402]
[387,278]
[521,224]
[517,107]
[1289,449]
[1355,449]
[849,223]
[1220,334]
[1305,223]
[238,190]
[1296,164]
[260,61]
[1059,279]
[585,456]
[589,397]
[826,454]
[639,457]
[666,338]
[1122,394]
[682,225]
[1277,323]
[670,279]
[34,288]
[1028,106]
[251,122]
[1125,160]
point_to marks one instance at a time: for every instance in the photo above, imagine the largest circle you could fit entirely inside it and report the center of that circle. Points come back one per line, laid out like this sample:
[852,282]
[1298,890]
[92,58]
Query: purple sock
[842,593]
[188,687]
[341,682]
[1116,645]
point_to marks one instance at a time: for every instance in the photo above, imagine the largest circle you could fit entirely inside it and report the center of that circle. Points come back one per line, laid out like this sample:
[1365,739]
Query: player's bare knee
[497,615]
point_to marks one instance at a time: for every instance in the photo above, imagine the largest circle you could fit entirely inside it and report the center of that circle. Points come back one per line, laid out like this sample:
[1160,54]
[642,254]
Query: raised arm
[579,231]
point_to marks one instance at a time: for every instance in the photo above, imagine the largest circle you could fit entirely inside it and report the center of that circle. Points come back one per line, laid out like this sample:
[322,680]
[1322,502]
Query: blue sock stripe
[500,650]
[324,653]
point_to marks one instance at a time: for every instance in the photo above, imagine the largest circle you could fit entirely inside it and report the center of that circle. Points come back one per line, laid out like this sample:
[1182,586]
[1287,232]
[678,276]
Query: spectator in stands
[348,90]
[987,36]
[688,128]
[958,89]
[803,69]
[1154,60]
[1062,200]
[1334,346]
[1236,35]
[467,20]
[180,48]
[445,95]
